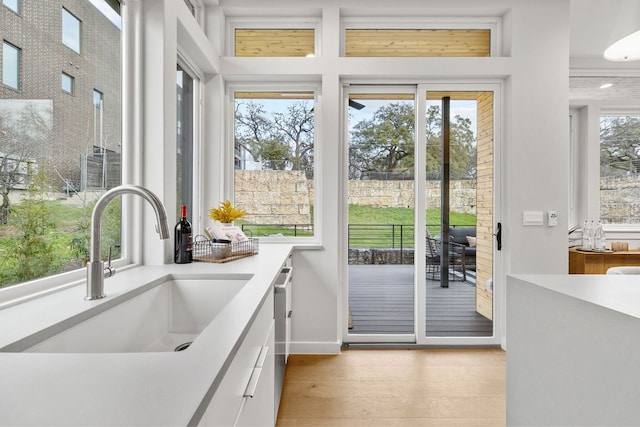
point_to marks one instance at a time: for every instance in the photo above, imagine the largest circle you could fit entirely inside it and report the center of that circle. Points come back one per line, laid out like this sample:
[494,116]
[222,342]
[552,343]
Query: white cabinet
[251,372]
[257,406]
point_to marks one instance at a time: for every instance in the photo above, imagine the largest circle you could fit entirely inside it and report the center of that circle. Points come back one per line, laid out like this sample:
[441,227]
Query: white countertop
[572,350]
[130,389]
[620,293]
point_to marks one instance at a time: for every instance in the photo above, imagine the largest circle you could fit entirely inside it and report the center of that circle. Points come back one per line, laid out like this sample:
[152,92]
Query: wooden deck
[381,302]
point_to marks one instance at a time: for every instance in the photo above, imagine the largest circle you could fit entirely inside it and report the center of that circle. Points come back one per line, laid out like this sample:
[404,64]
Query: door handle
[498,235]
[252,385]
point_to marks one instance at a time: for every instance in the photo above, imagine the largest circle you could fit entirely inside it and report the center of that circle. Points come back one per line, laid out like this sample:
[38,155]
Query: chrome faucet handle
[108,270]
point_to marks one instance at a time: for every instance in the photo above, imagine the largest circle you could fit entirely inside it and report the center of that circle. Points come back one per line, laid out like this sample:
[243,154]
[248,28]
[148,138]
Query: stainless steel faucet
[95,267]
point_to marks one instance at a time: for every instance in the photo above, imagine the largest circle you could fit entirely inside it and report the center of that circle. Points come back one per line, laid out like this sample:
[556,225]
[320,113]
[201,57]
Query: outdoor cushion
[459,235]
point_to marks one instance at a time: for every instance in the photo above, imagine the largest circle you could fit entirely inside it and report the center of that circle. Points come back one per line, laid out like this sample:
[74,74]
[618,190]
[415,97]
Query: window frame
[197,152]
[229,148]
[607,112]
[79,21]
[18,51]
[29,290]
[574,166]
[72,81]
[494,24]
[272,23]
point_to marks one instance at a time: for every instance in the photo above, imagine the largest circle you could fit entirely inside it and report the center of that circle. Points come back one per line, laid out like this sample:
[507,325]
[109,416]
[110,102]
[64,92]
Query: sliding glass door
[420,169]
[458,214]
[381,211]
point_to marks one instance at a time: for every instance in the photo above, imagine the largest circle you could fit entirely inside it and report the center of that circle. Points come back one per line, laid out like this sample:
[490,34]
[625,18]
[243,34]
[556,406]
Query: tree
[23,132]
[33,250]
[462,150]
[274,154]
[280,140]
[386,143]
[619,145]
[296,128]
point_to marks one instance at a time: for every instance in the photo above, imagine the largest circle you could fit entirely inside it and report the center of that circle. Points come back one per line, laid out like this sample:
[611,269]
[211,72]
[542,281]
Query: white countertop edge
[620,293]
[125,388]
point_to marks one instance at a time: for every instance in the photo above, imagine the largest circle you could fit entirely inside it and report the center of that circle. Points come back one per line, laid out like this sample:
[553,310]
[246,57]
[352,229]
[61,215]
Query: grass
[392,235]
[68,218]
[373,215]
[359,214]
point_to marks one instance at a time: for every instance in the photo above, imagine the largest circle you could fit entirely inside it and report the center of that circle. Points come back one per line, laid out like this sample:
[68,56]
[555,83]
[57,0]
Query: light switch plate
[552,218]
[533,218]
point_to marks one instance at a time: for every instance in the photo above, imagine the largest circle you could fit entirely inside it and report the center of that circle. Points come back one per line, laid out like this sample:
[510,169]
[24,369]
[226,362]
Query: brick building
[62,56]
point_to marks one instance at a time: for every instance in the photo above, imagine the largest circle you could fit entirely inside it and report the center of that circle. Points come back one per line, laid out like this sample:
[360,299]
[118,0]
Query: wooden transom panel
[418,43]
[454,95]
[274,95]
[274,42]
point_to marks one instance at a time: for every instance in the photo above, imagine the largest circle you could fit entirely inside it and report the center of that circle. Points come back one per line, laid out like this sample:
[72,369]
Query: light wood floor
[435,387]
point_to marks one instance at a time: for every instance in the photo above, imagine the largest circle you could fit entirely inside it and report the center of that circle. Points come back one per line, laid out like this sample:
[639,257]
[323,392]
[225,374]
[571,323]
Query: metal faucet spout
[95,266]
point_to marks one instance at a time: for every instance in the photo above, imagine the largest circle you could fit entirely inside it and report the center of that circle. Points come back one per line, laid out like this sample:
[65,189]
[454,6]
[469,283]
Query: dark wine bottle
[182,242]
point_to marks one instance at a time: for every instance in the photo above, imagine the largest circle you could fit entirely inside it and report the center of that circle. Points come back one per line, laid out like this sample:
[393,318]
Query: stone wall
[620,199]
[286,197]
[401,193]
[274,197]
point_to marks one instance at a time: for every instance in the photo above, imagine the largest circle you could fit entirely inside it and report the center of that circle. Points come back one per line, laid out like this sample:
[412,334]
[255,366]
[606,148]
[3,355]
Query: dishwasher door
[282,312]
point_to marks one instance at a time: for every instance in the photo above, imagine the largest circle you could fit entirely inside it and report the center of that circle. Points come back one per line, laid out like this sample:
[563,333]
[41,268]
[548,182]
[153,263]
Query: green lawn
[372,215]
[375,215]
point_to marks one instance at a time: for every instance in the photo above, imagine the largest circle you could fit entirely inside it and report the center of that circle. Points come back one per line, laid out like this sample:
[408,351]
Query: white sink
[163,317]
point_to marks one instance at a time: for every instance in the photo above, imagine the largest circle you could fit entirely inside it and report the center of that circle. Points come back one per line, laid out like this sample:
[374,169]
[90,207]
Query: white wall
[536,147]
[535,150]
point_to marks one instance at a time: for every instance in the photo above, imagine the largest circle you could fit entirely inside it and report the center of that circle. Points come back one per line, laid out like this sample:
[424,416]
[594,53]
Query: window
[52,174]
[10,65]
[274,161]
[98,99]
[67,83]
[620,168]
[12,4]
[185,140]
[274,42]
[70,30]
[98,118]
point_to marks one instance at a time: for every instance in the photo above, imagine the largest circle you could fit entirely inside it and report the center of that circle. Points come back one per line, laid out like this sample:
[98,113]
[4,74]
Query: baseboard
[302,347]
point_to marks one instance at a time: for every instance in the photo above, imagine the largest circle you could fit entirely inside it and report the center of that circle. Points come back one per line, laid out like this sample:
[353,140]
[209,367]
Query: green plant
[79,244]
[225,212]
[63,247]
[32,250]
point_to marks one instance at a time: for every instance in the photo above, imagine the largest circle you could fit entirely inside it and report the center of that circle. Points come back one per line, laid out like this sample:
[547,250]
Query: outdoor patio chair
[433,254]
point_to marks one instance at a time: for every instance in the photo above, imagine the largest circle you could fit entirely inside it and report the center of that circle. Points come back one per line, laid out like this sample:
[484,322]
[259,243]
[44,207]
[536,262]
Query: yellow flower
[225,212]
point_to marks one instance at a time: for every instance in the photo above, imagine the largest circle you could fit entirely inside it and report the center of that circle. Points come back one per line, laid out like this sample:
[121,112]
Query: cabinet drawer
[258,409]
[227,400]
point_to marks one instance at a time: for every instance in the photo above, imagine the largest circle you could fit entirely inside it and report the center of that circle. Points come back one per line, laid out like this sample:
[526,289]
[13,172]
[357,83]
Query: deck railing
[394,236]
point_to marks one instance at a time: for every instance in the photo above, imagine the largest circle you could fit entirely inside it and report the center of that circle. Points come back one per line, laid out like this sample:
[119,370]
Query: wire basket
[223,250]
